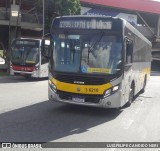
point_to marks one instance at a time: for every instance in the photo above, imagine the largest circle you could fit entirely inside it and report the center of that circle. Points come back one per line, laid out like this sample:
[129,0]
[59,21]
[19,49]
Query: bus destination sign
[25,42]
[85,24]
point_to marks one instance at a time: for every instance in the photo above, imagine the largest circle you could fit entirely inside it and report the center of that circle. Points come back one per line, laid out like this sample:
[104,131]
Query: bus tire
[131,95]
[144,85]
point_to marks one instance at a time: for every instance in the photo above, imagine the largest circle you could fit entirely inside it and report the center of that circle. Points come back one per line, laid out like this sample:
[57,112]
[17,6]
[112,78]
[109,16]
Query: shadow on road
[48,121]
[19,79]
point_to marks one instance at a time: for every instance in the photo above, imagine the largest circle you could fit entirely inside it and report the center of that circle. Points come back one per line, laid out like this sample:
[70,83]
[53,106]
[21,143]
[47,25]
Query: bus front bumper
[33,74]
[112,101]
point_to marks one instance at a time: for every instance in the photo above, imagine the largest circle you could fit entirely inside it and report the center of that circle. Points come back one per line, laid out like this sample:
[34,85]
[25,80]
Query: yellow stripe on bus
[147,70]
[81,89]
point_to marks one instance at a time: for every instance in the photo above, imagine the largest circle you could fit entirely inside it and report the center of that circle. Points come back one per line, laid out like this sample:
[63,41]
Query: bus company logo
[6,145]
[78,89]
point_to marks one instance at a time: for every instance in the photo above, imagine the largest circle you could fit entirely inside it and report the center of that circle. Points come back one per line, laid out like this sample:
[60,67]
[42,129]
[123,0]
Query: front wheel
[131,95]
[144,85]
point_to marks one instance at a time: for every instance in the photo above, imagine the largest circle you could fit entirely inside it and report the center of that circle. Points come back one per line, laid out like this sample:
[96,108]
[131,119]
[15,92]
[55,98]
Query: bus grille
[87,98]
[86,80]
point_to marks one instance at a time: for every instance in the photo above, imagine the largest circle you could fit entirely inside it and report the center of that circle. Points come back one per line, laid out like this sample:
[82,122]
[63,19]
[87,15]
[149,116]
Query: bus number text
[91,89]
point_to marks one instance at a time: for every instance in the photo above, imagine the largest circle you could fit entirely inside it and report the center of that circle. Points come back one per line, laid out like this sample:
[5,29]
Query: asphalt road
[26,115]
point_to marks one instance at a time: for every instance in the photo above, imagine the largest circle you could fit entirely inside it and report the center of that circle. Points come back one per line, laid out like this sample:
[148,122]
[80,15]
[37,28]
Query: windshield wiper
[92,48]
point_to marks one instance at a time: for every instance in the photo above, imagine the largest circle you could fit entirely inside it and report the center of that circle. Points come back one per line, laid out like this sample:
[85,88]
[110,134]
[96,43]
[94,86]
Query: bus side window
[129,51]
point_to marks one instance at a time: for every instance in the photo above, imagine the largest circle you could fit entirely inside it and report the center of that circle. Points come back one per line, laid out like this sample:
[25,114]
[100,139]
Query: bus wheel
[131,95]
[144,85]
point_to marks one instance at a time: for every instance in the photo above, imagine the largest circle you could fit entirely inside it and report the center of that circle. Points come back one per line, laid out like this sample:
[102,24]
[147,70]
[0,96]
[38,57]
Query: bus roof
[135,31]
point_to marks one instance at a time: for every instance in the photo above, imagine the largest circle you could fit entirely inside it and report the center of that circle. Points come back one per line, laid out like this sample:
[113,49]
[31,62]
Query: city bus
[26,59]
[96,61]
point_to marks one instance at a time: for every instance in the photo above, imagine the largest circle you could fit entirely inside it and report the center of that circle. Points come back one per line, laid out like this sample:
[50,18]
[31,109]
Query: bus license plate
[78,100]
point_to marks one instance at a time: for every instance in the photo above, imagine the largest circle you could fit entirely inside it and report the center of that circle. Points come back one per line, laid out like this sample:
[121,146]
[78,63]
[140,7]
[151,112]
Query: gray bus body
[97,61]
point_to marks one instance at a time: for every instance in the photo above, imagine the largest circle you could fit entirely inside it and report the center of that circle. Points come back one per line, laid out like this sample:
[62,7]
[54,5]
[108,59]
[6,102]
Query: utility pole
[43,19]
[17,23]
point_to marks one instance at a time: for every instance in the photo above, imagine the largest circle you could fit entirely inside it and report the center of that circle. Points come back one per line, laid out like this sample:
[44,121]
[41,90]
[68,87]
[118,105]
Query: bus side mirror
[45,48]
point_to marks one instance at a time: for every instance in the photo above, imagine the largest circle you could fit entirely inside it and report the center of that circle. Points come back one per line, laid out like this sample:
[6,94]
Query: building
[19,18]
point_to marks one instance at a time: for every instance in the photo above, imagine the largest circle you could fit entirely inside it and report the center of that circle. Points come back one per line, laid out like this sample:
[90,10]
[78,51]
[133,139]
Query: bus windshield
[89,53]
[25,52]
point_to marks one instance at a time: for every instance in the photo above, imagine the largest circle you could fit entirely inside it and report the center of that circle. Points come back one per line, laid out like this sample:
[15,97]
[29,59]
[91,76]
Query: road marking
[112,149]
[127,123]
[41,83]
[128,118]
[137,110]
[142,132]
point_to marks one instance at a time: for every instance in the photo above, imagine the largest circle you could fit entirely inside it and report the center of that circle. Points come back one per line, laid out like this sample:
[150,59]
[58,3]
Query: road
[26,115]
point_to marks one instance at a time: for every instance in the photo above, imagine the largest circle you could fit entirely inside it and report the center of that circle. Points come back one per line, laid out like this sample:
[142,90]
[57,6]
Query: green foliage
[68,7]
[54,8]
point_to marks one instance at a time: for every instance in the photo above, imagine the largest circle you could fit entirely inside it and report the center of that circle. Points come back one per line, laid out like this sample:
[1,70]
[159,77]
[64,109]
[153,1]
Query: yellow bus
[96,61]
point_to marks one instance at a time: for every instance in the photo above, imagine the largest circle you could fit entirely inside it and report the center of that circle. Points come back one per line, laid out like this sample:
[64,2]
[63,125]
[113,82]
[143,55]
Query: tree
[54,8]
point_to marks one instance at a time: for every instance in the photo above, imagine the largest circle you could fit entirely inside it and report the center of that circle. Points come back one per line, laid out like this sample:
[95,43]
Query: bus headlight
[36,68]
[52,86]
[115,88]
[111,91]
[107,92]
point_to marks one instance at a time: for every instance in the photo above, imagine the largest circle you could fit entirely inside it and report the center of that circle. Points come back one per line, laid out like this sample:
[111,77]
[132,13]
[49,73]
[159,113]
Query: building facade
[19,18]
